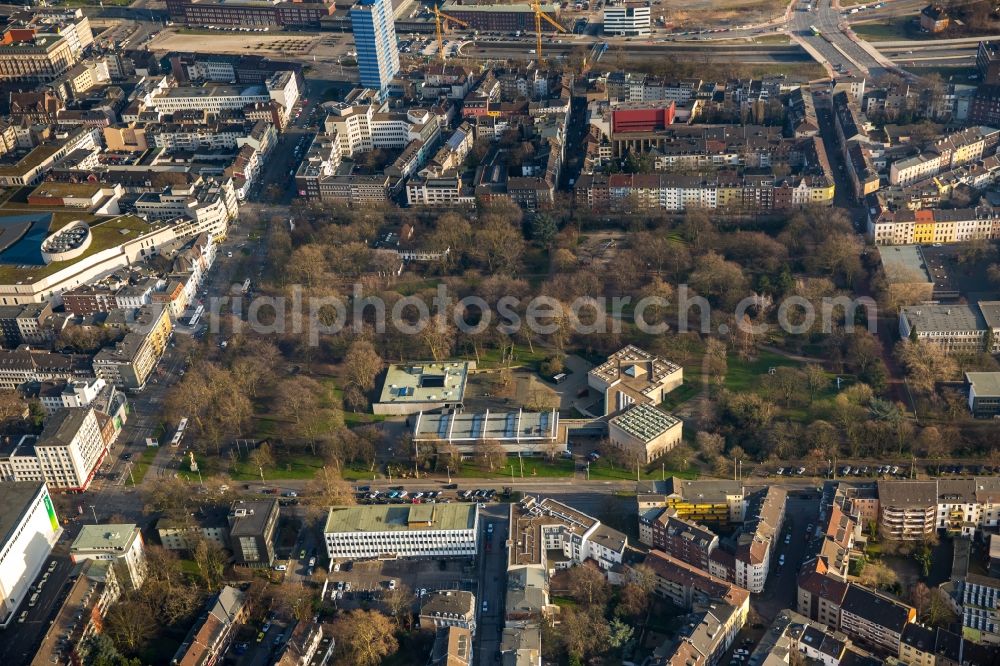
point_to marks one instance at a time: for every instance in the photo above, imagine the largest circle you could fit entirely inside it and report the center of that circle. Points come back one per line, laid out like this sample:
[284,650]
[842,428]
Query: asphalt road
[492,577]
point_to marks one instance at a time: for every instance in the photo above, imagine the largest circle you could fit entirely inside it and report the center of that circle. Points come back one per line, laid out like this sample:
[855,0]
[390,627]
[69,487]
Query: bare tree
[364,638]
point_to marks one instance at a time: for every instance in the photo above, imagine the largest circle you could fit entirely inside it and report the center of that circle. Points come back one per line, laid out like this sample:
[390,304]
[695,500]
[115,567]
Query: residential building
[874,619]
[122,545]
[756,540]
[411,388]
[957,329]
[415,530]
[93,587]
[927,646]
[906,273]
[252,527]
[704,501]
[29,528]
[375,38]
[65,455]
[520,433]
[448,608]
[25,324]
[687,586]
[907,509]
[77,393]
[30,56]
[210,525]
[308,645]
[626,17]
[452,647]
[132,360]
[820,592]
[984,394]
[980,604]
[538,527]
[26,365]
[215,629]
[685,540]
[792,635]
[645,432]
[932,225]
[934,18]
[632,375]
[210,205]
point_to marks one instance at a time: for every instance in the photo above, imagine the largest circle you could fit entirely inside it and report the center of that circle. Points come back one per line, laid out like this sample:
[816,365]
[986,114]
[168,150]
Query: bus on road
[179,435]
[814,30]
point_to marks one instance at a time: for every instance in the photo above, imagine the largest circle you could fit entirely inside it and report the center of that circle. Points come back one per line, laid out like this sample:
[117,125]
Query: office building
[65,455]
[122,545]
[252,525]
[506,17]
[627,18]
[984,394]
[957,328]
[29,529]
[375,39]
[410,388]
[415,530]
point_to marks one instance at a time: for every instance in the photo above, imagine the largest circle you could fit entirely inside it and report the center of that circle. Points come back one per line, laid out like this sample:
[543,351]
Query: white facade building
[64,456]
[74,394]
[627,18]
[122,545]
[29,529]
[391,531]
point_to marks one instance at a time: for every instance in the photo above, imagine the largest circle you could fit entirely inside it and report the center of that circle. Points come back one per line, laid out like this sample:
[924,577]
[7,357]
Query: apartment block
[704,501]
[794,638]
[131,361]
[216,628]
[23,365]
[685,540]
[687,586]
[981,609]
[874,620]
[755,542]
[907,509]
[540,527]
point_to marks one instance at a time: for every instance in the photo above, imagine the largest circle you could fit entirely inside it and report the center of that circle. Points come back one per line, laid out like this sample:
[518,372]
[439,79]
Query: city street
[492,581]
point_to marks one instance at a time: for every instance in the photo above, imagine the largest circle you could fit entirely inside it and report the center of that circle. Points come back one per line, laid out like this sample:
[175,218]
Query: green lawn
[142,462]
[741,375]
[886,31]
[523,356]
[533,468]
[297,466]
[603,469]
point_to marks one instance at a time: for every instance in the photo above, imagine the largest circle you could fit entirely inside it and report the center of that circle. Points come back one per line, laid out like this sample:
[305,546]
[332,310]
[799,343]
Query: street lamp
[95,513]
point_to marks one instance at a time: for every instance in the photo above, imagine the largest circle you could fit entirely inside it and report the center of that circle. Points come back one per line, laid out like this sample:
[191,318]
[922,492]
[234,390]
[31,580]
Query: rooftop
[425,382]
[115,537]
[904,264]
[479,426]
[62,427]
[15,499]
[903,494]
[876,608]
[249,517]
[389,518]
[943,318]
[645,422]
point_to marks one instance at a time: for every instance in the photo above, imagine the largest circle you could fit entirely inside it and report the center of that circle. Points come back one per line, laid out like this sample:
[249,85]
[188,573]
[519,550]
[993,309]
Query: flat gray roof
[984,383]
[904,264]
[401,518]
[944,318]
[425,382]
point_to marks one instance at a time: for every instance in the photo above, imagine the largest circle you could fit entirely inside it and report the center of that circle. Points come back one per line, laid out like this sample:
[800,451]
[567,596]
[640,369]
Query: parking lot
[399,495]
[359,584]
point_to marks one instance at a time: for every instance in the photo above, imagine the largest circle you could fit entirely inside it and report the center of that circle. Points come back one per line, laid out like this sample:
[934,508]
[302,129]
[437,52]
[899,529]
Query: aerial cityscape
[476,332]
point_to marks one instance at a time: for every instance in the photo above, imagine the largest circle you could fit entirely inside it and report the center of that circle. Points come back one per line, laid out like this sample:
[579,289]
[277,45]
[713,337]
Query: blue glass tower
[375,39]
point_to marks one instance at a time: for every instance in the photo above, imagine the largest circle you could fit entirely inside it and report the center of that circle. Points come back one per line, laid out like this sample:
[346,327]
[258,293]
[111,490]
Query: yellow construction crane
[539,15]
[440,24]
